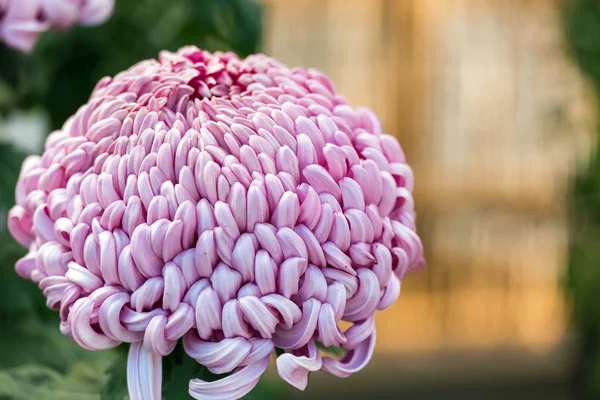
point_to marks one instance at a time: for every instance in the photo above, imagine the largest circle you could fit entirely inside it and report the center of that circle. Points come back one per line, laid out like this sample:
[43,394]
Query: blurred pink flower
[22,21]
[237,204]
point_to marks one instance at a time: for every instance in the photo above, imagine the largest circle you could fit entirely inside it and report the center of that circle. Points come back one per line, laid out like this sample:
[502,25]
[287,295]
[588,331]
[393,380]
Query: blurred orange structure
[494,118]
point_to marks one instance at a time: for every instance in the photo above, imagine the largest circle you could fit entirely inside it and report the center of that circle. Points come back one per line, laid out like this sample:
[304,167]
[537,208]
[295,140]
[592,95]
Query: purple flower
[22,21]
[237,204]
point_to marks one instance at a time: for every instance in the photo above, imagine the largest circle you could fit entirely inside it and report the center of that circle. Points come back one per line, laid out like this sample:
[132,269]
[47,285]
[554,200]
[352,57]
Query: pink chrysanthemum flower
[22,21]
[237,204]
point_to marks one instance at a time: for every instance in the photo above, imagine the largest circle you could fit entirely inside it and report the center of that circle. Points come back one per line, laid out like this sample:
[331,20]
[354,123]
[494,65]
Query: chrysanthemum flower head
[22,21]
[236,204]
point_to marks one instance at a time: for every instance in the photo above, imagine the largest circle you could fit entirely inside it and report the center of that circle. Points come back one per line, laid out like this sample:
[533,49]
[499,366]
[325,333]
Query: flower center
[218,75]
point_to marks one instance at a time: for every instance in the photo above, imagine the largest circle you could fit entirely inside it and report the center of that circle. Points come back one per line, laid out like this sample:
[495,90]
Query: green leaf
[116,385]
[333,350]
[9,67]
[10,166]
[582,31]
[17,296]
[178,370]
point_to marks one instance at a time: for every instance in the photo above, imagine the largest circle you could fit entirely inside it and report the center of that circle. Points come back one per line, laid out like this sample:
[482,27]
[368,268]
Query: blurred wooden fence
[493,118]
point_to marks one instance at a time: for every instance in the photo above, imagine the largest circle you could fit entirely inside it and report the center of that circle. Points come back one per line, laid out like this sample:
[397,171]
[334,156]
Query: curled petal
[243,256]
[292,244]
[265,272]
[81,329]
[129,275]
[138,321]
[174,287]
[109,318]
[186,263]
[288,310]
[310,209]
[258,315]
[299,334]
[179,322]
[290,272]
[336,297]
[329,333]
[366,299]
[148,294]
[359,332]
[383,267]
[337,259]
[286,161]
[148,263]
[391,148]
[26,266]
[314,285]
[83,277]
[360,226]
[349,281]
[340,233]
[226,220]
[353,361]
[220,357]
[261,348]
[324,224]
[43,225]
[352,194]
[336,162]
[154,336]
[205,255]
[315,252]
[226,282]
[231,387]
[390,294]
[319,178]
[257,207]
[224,244]
[234,323]
[360,254]
[265,234]
[294,369]
[108,258]
[287,211]
[20,225]
[208,312]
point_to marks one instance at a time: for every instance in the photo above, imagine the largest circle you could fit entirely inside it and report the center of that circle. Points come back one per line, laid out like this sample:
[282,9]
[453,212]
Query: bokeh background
[495,104]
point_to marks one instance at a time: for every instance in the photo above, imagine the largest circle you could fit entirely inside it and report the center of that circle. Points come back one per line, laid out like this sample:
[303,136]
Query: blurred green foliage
[582,27]
[36,361]
[82,382]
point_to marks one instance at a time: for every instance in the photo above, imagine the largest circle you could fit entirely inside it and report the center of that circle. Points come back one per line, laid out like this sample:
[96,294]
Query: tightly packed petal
[22,21]
[236,204]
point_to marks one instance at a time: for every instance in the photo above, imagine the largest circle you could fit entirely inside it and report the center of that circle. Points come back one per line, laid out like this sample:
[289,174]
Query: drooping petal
[294,369]
[231,387]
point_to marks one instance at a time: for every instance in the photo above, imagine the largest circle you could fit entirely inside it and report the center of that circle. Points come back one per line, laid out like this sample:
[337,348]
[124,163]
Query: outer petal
[232,387]
[353,361]
[144,373]
[294,369]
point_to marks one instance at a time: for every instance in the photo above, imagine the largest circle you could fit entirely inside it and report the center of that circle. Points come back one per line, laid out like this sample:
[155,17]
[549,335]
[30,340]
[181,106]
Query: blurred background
[495,104]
